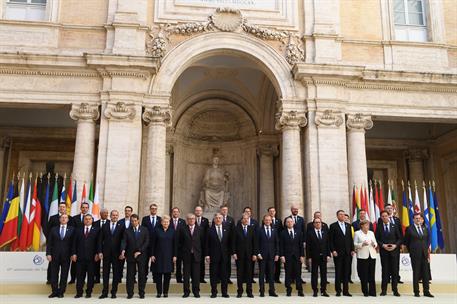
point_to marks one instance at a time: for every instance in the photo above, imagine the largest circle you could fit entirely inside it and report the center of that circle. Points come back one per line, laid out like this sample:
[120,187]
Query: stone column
[266,153]
[357,159]
[290,122]
[416,159]
[158,119]
[4,144]
[83,165]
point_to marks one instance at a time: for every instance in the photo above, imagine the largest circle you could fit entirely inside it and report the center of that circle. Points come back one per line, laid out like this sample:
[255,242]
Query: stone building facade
[300,100]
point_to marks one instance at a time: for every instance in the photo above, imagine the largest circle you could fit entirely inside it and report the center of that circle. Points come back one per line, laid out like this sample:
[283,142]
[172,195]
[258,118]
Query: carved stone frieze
[84,111]
[359,121]
[157,114]
[290,120]
[120,111]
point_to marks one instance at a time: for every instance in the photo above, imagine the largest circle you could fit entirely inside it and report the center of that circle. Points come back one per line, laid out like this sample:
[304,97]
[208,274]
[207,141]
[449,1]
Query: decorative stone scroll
[328,118]
[359,122]
[84,111]
[158,115]
[225,20]
[290,120]
[120,111]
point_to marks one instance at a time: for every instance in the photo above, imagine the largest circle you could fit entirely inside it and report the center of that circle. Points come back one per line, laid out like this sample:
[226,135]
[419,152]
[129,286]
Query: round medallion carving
[227,19]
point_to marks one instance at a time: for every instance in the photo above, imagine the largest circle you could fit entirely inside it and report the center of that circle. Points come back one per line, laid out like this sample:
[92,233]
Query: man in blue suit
[268,238]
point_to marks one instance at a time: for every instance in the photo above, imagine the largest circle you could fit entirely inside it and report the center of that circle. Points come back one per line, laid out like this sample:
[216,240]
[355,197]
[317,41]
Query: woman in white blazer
[365,245]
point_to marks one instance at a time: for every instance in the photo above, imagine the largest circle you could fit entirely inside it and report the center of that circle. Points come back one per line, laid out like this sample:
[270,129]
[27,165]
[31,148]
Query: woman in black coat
[163,256]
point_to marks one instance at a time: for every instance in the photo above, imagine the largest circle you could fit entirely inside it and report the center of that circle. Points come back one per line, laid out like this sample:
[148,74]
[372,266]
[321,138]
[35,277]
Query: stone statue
[214,193]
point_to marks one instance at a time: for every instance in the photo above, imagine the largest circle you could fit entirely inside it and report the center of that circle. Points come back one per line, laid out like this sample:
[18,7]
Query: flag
[355,211]
[54,207]
[380,203]
[69,197]
[404,211]
[91,197]
[74,201]
[372,207]
[364,199]
[439,226]
[6,205]
[35,217]
[15,244]
[426,211]
[26,222]
[410,206]
[389,194]
[45,206]
[9,231]
[433,227]
[417,202]
[96,206]
[63,193]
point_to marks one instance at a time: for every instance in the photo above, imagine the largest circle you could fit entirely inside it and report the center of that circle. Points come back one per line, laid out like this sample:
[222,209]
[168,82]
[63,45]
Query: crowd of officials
[166,244]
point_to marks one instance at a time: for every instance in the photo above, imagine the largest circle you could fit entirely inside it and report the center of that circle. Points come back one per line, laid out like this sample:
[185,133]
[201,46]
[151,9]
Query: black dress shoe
[129,296]
[417,295]
[88,296]
[324,294]
[53,295]
[203,281]
[186,295]
[347,294]
[239,295]
[113,296]
[365,295]
[97,281]
[78,296]
[253,281]
[428,295]
[158,295]
[213,295]
[250,295]
[289,293]
[273,294]
[338,294]
[225,296]
[71,282]
[278,281]
[351,282]
[262,294]
[301,294]
[103,296]
[196,295]
[165,295]
[396,294]
[141,296]
[315,294]
[48,283]
[60,295]
[383,293]
[400,282]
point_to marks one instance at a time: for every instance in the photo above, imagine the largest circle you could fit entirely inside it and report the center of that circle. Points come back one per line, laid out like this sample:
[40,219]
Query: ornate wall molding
[359,122]
[290,120]
[32,72]
[158,115]
[84,111]
[120,111]
[328,118]
[225,20]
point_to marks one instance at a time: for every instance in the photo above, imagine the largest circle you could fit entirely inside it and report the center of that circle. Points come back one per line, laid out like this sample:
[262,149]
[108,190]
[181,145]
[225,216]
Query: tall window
[32,10]
[410,20]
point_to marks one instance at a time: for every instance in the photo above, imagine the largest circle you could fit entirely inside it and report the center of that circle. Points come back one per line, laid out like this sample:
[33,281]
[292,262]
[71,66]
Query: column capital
[328,118]
[416,154]
[158,115]
[359,122]
[290,120]
[84,111]
[267,150]
[120,111]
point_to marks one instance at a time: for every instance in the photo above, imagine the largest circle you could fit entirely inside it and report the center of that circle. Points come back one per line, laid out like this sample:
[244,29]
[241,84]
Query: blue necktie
[62,232]
[268,233]
[245,231]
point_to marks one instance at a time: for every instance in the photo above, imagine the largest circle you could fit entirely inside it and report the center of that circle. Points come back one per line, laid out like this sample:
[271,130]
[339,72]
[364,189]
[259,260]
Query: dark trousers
[62,264]
[266,273]
[244,274]
[97,271]
[366,270]
[319,265]
[389,263]
[293,273]
[73,271]
[277,270]
[228,265]
[132,267]
[84,267]
[111,262]
[420,271]
[218,273]
[191,270]
[178,272]
[202,269]
[162,282]
[343,264]
[48,273]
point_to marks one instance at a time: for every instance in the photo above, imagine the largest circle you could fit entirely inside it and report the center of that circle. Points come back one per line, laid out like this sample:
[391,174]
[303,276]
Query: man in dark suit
[389,241]
[78,222]
[299,222]
[128,211]
[190,240]
[292,255]
[362,217]
[54,221]
[134,248]
[229,222]
[87,250]
[318,254]
[396,221]
[268,254]
[218,252]
[176,223]
[276,224]
[151,221]
[59,249]
[244,253]
[99,224]
[417,241]
[342,247]
[316,215]
[110,238]
[203,223]
[251,222]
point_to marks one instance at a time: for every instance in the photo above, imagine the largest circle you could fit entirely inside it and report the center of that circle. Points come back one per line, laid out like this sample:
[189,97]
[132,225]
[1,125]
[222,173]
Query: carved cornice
[132,74]
[328,118]
[290,120]
[158,115]
[120,111]
[32,72]
[359,122]
[84,112]
[267,150]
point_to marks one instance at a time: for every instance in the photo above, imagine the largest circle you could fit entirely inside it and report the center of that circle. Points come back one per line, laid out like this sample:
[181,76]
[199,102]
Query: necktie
[392,220]
[419,229]
[245,231]
[295,219]
[112,228]
[268,232]
[103,222]
[176,223]
[291,234]
[62,232]
[319,234]
[153,221]
[219,233]
[199,221]
[136,233]
[386,228]
[87,232]
[343,228]
[191,230]
[225,219]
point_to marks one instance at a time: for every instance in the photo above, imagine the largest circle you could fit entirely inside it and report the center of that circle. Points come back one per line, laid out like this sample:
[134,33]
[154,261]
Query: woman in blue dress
[163,256]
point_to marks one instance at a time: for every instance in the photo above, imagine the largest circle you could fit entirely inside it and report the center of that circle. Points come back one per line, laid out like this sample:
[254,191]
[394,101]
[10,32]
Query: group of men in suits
[117,241]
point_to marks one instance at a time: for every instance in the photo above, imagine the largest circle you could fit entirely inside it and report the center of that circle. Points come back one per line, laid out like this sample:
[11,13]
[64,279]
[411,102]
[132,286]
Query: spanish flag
[10,226]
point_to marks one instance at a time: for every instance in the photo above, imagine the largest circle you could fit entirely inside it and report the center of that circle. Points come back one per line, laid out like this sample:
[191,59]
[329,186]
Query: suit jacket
[98,223]
[86,247]
[110,243]
[131,244]
[268,248]
[291,247]
[299,225]
[229,222]
[146,222]
[244,246]
[190,244]
[219,250]
[181,223]
[364,252]
[417,245]
[122,221]
[164,248]
[60,248]
[204,224]
[54,222]
[392,237]
[253,223]
[356,225]
[397,224]
[310,226]
[77,220]
[277,224]
[339,242]
[315,247]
